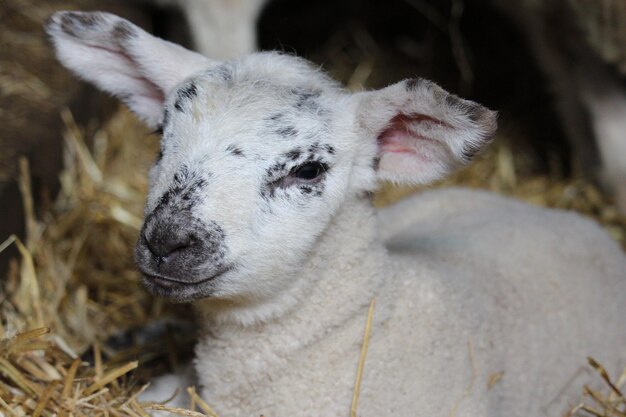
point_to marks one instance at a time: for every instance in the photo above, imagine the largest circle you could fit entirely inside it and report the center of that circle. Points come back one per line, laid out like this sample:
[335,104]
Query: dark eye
[309,171]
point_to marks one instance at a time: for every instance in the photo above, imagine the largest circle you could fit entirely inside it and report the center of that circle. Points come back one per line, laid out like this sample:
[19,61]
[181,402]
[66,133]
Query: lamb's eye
[309,171]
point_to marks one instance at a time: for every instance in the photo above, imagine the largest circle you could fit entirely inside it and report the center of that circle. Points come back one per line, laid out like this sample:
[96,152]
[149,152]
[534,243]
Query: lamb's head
[249,168]
[258,153]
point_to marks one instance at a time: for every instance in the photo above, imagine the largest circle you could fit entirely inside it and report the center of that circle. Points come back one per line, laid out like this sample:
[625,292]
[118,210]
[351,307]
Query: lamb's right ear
[122,59]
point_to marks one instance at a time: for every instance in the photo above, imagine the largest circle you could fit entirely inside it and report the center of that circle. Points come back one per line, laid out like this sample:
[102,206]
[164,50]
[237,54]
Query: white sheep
[259,212]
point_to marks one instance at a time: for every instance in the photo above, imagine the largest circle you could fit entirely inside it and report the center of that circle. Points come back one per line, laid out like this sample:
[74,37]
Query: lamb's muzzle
[179,255]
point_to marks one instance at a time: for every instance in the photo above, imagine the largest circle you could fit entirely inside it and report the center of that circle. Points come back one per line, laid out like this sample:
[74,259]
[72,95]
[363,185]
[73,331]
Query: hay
[69,274]
[598,404]
[40,378]
[76,277]
[361,366]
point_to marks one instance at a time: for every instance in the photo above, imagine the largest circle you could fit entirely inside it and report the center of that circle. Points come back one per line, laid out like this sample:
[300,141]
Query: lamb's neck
[338,281]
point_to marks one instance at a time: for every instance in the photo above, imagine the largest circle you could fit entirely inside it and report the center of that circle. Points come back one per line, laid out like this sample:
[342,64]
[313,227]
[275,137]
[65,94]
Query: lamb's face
[257,154]
[251,171]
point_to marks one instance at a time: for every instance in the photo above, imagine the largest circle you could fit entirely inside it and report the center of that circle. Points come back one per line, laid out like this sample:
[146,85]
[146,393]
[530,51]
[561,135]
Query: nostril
[153,250]
[173,253]
[179,247]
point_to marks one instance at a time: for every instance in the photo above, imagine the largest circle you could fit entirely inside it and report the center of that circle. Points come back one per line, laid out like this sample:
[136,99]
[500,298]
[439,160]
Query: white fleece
[472,286]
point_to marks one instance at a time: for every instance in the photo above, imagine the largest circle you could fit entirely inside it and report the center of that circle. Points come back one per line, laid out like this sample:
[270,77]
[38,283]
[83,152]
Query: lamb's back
[494,305]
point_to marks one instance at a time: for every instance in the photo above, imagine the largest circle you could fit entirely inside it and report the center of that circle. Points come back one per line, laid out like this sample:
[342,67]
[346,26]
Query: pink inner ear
[150,90]
[394,141]
[397,136]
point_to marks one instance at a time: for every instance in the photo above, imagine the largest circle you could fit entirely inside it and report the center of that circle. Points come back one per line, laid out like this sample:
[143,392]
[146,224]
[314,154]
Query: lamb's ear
[422,132]
[122,59]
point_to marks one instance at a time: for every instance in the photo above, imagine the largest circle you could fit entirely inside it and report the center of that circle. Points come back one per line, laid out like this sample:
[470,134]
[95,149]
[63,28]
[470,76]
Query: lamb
[259,213]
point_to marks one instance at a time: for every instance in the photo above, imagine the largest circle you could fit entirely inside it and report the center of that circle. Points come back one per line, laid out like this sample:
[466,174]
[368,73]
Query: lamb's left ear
[422,132]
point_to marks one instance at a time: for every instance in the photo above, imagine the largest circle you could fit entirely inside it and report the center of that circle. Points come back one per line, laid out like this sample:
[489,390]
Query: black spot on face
[181,176]
[268,192]
[314,148]
[276,169]
[185,93]
[306,99]
[306,189]
[224,72]
[276,117]
[376,163]
[189,91]
[234,150]
[221,73]
[287,131]
[200,183]
[165,119]
[159,131]
[185,191]
[293,154]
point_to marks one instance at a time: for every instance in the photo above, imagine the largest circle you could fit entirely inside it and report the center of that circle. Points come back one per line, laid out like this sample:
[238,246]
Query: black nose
[166,247]
[175,245]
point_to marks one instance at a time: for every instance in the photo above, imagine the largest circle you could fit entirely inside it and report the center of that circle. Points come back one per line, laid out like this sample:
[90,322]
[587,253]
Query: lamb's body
[475,286]
[257,212]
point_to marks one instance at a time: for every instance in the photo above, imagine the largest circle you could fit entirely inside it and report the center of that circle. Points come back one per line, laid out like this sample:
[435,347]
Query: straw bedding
[78,335]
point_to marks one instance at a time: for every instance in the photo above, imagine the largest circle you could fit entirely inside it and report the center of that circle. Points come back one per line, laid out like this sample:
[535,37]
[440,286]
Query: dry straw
[75,285]
[362,357]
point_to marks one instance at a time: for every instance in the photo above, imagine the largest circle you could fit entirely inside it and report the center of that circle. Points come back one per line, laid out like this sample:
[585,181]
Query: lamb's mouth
[180,291]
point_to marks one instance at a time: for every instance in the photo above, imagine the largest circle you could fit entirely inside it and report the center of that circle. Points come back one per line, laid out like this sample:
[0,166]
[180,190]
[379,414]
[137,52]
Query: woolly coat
[485,306]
